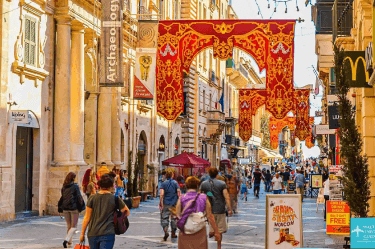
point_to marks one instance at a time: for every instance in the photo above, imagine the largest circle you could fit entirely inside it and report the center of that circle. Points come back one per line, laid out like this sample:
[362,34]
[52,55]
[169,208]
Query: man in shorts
[286,177]
[217,194]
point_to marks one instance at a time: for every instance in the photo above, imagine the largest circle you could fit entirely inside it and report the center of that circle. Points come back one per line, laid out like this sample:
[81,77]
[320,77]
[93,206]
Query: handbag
[81,246]
[59,205]
[195,222]
[80,202]
[121,220]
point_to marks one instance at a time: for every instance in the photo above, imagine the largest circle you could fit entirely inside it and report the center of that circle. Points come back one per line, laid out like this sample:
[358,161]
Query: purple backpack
[189,209]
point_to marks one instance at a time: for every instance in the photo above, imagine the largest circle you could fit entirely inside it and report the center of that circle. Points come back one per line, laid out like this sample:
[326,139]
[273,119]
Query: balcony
[239,76]
[216,122]
[144,14]
[216,116]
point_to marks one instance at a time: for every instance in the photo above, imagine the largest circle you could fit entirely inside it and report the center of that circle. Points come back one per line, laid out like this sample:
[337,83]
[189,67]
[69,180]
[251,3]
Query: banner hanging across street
[111,45]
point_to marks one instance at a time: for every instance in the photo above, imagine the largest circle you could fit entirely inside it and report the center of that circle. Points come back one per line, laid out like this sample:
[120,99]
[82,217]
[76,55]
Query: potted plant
[136,198]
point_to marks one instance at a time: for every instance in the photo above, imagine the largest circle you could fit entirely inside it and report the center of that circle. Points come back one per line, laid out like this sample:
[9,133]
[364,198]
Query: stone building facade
[49,72]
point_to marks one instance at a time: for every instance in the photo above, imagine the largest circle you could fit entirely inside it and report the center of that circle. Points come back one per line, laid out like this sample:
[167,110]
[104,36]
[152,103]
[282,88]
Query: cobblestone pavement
[246,229]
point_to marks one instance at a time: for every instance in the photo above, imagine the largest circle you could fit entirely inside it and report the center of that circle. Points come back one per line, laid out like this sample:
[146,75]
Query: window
[176,10]
[160,9]
[30,40]
[204,101]
[210,104]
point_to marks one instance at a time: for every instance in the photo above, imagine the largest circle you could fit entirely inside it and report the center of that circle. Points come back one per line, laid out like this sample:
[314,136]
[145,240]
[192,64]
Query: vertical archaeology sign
[111,50]
[362,233]
[338,217]
[284,222]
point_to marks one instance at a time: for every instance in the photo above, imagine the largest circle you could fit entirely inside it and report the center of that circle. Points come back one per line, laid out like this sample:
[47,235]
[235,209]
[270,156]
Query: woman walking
[199,239]
[72,205]
[91,187]
[99,216]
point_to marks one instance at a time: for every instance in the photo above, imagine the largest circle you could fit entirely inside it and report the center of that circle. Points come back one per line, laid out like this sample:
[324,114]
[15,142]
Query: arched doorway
[142,153]
[177,146]
[161,151]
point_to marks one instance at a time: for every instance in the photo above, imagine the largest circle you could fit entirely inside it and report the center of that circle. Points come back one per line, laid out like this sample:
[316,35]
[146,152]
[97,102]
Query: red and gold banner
[249,102]
[269,42]
[276,126]
[310,140]
[302,113]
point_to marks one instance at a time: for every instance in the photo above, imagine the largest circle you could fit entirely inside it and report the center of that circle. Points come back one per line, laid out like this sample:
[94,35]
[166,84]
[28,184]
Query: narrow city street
[246,229]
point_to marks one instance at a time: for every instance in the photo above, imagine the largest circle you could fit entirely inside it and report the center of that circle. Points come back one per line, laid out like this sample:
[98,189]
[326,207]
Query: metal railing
[143,13]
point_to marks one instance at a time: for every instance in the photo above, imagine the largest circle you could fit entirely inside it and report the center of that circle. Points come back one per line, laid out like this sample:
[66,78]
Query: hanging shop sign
[111,45]
[323,129]
[331,99]
[333,116]
[24,118]
[338,218]
[357,74]
[144,76]
[362,233]
[319,113]
[284,222]
[18,116]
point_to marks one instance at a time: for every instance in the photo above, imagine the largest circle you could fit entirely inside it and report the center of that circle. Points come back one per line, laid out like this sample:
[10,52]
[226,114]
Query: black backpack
[121,220]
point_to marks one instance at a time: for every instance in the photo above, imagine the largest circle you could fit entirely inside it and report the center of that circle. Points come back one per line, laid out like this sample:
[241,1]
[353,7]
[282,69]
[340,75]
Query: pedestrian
[102,170]
[257,177]
[161,180]
[99,216]
[181,183]
[86,180]
[72,205]
[120,185]
[249,178]
[233,189]
[125,174]
[277,184]
[199,239]
[267,180]
[218,196]
[300,183]
[91,187]
[325,175]
[286,178]
[169,194]
[326,197]
[244,187]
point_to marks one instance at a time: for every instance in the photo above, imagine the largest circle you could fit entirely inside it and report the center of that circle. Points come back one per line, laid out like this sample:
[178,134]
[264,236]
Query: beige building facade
[49,73]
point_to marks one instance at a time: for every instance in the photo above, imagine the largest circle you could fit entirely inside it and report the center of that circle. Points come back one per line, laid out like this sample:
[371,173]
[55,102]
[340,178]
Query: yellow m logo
[354,67]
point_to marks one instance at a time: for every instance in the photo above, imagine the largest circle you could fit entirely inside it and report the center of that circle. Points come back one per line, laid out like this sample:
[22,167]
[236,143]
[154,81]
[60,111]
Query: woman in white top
[277,184]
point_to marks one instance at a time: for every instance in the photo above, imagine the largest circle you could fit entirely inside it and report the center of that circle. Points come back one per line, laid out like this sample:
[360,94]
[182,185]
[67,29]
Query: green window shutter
[30,41]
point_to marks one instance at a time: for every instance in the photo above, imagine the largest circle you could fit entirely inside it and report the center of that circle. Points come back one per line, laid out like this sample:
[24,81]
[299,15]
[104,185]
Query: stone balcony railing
[216,115]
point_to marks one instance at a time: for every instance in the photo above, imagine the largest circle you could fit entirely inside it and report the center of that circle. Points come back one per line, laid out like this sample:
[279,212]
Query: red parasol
[186,160]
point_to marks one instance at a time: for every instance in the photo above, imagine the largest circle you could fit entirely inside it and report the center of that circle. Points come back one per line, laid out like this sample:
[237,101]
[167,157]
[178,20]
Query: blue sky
[304,44]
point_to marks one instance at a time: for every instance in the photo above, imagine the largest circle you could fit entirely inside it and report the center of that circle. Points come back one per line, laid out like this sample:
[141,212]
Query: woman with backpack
[194,203]
[100,215]
[71,204]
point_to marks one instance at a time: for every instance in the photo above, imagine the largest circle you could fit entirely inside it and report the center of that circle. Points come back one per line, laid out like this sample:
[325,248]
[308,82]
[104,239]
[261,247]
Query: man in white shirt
[276,184]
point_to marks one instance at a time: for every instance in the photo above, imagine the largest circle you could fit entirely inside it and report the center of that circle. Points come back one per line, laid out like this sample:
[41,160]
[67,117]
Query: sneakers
[174,235]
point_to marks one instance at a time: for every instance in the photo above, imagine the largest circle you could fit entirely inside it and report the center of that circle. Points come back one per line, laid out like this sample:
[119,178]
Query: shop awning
[265,153]
[186,160]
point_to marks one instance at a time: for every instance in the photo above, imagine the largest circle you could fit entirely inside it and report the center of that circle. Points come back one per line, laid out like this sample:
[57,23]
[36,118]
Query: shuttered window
[30,41]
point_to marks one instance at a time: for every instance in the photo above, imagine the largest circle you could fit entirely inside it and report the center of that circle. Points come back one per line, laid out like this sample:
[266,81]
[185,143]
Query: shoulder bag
[195,222]
[80,202]
[121,220]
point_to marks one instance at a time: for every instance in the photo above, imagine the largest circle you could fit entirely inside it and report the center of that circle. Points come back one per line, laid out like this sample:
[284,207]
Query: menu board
[338,217]
[284,222]
[335,190]
[291,187]
[335,171]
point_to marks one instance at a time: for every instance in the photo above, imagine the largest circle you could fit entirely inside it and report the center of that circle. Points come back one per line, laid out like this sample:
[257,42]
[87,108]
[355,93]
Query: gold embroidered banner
[269,42]
[302,113]
[277,125]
